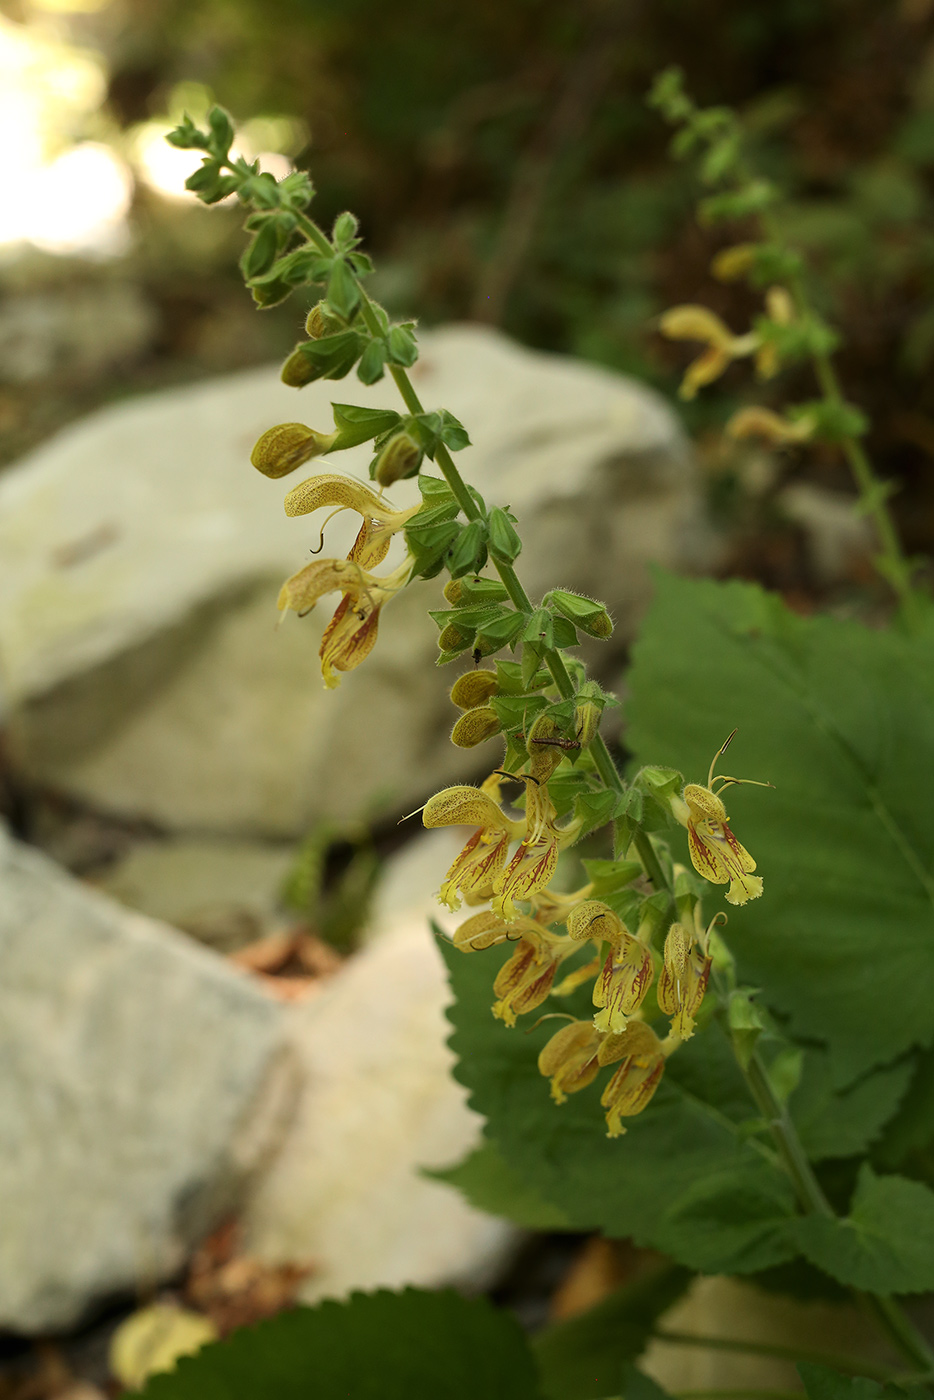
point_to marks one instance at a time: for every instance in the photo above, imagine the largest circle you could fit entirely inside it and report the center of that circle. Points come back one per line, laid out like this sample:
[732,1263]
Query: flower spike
[715,852]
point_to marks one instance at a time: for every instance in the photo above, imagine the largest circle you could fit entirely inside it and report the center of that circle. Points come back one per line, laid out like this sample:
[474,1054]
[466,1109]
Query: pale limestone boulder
[144,1081]
[140,557]
[737,1311]
[378,1105]
[225,893]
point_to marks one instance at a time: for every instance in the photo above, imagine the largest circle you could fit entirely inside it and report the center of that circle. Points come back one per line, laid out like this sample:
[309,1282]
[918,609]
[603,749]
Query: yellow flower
[698,323]
[351,634]
[524,980]
[534,862]
[487,929]
[594,919]
[781,309]
[627,973]
[285,447]
[476,868]
[638,1076]
[683,980]
[715,852]
[619,990]
[570,1059]
[757,421]
[380,522]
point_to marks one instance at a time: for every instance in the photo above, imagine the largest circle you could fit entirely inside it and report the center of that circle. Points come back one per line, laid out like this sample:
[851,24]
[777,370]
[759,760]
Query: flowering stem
[893,1320]
[445,462]
[745,1393]
[849,1365]
[891,561]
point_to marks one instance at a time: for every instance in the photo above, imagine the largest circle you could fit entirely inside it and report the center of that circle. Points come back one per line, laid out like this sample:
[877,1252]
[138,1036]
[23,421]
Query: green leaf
[908,1143]
[452,432]
[821,1383]
[505,544]
[500,632]
[636,1385]
[468,555]
[753,198]
[884,1245]
[333,356]
[690,1137]
[402,347]
[509,676]
[343,294]
[482,590]
[581,1359]
[429,543]
[658,786]
[372,361]
[746,1219]
[296,190]
[357,424]
[838,716]
[842,1123]
[746,1024]
[205,179]
[564,632]
[607,876]
[375,1346]
[539,629]
[490,1184]
[436,492]
[628,817]
[344,233]
[261,252]
[222,131]
[188,137]
[596,809]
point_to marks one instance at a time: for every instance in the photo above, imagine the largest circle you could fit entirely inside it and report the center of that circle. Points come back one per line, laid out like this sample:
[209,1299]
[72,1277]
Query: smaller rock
[224,893]
[144,1078]
[73,332]
[839,541]
[380,1104]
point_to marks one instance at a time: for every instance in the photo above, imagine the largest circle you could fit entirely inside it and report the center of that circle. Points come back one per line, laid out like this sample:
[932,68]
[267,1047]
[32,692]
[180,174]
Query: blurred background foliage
[506,169]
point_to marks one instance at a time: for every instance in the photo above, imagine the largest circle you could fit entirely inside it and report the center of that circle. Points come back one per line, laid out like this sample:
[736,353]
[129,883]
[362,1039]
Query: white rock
[225,892]
[144,1080]
[379,1103]
[143,546]
[838,538]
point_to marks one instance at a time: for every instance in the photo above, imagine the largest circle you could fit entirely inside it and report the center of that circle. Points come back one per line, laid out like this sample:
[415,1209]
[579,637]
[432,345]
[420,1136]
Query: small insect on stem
[557,743]
[566,744]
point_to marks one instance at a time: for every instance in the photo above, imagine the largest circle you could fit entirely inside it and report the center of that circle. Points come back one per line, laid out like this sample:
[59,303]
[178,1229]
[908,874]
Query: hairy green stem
[839,1361]
[888,1313]
[744,1393]
[793,1156]
[650,862]
[895,1322]
[892,563]
[445,463]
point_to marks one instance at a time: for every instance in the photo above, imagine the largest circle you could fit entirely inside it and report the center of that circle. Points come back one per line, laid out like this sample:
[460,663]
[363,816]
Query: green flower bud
[283,448]
[399,459]
[586,613]
[474,688]
[474,726]
[587,714]
[320,322]
[453,639]
[452,591]
[298,370]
